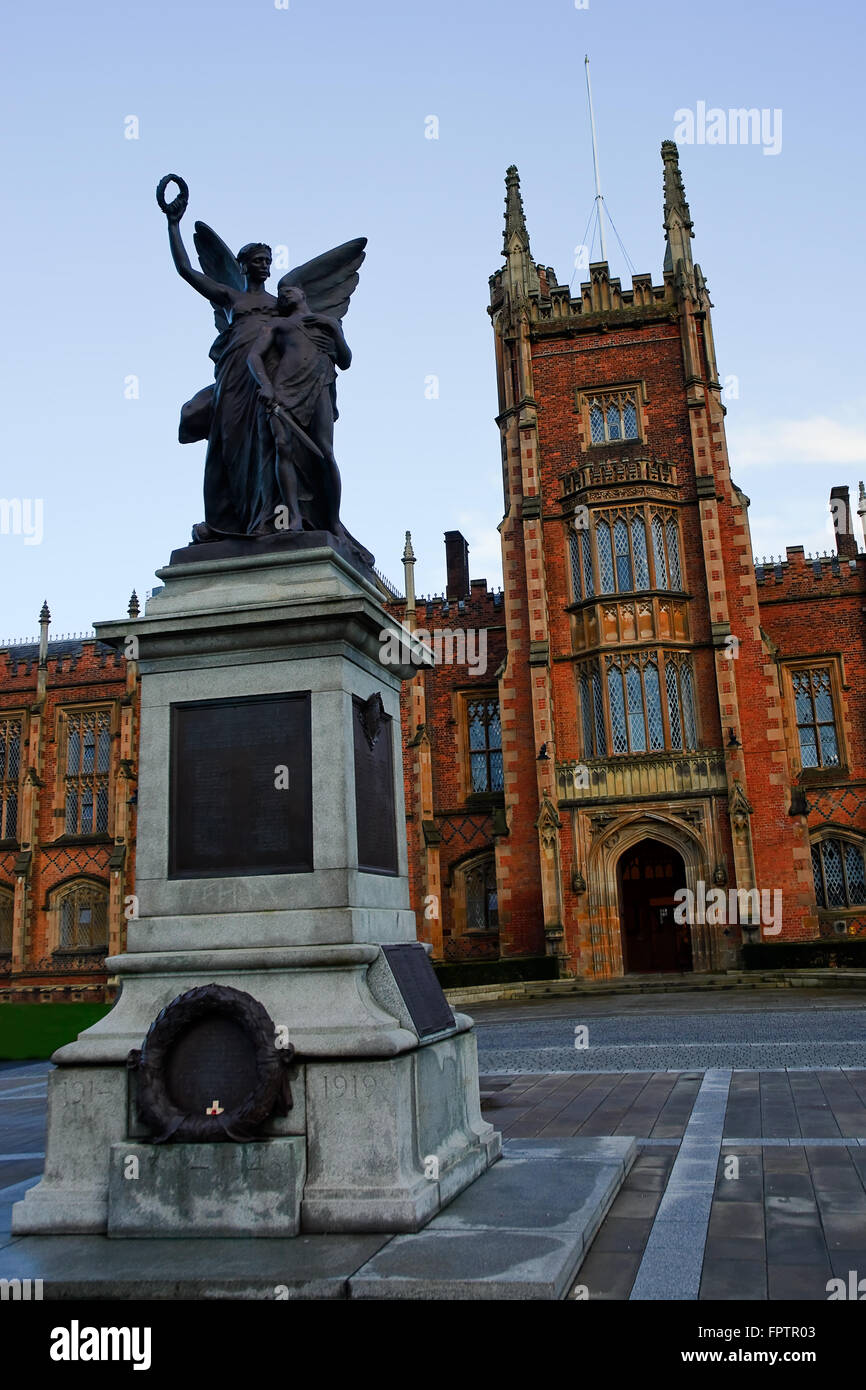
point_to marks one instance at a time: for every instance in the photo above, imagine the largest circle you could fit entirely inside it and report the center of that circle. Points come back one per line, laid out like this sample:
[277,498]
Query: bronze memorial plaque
[212,1064]
[374,787]
[241,787]
[421,990]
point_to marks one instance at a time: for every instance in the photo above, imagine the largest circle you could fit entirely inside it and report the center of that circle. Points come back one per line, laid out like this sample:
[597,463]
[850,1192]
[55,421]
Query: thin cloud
[815,440]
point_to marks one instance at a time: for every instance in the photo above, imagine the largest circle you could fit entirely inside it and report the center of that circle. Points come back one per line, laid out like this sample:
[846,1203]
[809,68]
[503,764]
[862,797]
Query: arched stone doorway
[650,872]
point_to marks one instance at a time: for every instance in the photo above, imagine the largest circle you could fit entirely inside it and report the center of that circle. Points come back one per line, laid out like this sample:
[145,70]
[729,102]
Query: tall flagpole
[599,198]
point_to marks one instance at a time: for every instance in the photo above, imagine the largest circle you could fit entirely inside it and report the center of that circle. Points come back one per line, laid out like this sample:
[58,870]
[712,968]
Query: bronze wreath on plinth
[261,1071]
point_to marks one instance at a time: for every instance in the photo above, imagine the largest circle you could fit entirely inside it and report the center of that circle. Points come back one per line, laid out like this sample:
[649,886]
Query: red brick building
[642,728]
[68,731]
[666,717]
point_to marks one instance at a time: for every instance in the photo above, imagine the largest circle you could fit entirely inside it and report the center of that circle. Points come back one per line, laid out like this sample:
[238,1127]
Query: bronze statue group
[268,416]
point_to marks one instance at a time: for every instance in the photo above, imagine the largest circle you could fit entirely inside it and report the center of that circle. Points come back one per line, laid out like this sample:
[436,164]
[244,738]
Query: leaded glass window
[816,724]
[83,911]
[659,553]
[574,551]
[598,705]
[636,725]
[817,876]
[605,558]
[482,903]
[673,693]
[485,744]
[613,417]
[854,874]
[586,714]
[7,912]
[10,770]
[673,554]
[617,710]
[638,543]
[88,758]
[688,701]
[588,584]
[623,556]
[838,869]
[654,706]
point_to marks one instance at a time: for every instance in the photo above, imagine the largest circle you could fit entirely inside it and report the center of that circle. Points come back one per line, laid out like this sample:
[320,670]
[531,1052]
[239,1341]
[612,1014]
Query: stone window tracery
[612,554]
[613,416]
[649,704]
[839,873]
[87,761]
[485,744]
[482,903]
[10,772]
[7,912]
[816,720]
[82,916]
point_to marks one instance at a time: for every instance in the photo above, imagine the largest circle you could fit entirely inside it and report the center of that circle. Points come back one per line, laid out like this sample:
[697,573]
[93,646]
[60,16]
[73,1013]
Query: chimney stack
[457,566]
[843,522]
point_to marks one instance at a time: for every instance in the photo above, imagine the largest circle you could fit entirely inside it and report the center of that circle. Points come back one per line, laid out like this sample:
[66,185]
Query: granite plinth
[514,1236]
[387,1126]
[179,1190]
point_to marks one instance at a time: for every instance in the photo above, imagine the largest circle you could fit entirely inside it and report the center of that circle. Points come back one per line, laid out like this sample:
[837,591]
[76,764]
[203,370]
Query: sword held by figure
[293,360]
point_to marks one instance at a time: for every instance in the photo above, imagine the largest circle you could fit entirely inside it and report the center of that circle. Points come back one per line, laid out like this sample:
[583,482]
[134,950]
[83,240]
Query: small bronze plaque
[212,1067]
[241,787]
[421,991]
[374,787]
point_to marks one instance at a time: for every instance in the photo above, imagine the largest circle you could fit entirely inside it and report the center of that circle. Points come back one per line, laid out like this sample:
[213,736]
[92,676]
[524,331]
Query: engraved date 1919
[348,1087]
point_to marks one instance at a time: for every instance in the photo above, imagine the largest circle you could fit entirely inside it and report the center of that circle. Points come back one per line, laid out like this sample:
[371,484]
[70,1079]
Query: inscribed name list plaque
[374,787]
[241,787]
[421,990]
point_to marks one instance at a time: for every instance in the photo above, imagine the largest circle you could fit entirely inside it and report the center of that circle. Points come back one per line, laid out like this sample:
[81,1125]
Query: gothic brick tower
[644,746]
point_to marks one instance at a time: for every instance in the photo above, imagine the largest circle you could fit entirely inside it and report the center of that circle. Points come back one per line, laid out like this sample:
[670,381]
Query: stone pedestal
[386,1125]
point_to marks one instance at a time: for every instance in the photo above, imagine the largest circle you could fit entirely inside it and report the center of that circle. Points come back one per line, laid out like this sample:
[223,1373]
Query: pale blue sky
[305,127]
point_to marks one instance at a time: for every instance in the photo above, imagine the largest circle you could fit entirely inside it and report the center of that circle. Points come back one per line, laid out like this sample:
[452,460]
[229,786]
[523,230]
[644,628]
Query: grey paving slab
[609,1275]
[638,1203]
[621,1234]
[519,1232]
[785,1183]
[736,1248]
[803,1282]
[76,1267]
[796,1244]
[611,1149]
[471,1265]
[844,1231]
[534,1194]
[732,1280]
[737,1219]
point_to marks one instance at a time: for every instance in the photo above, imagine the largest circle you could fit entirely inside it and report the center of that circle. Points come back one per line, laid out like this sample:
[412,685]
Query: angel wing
[217,261]
[328,280]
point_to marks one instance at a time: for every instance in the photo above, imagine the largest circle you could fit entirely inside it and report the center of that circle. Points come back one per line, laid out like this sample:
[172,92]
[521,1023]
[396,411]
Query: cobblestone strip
[672,1262]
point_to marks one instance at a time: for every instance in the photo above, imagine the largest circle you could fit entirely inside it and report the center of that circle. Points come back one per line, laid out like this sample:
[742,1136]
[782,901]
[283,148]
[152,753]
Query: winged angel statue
[268,417]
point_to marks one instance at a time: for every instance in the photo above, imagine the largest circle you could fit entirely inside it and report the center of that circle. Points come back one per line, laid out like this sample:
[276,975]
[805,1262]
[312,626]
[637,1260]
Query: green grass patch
[34,1031]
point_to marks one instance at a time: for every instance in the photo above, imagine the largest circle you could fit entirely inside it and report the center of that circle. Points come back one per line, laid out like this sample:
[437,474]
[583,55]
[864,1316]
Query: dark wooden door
[650,874]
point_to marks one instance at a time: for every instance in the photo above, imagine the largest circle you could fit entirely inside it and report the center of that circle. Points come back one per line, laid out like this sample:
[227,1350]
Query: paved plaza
[749,1110]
